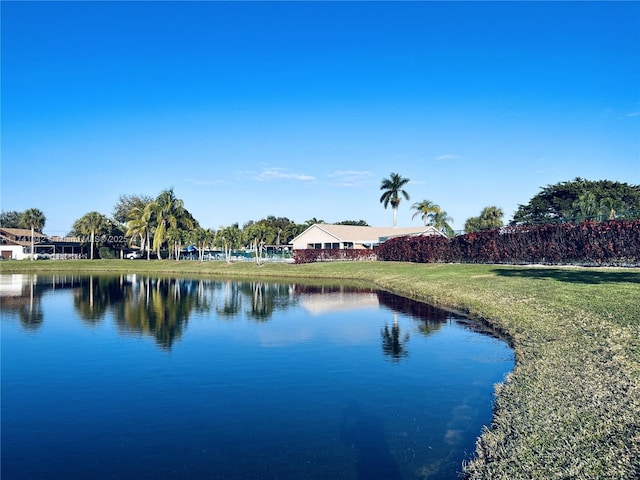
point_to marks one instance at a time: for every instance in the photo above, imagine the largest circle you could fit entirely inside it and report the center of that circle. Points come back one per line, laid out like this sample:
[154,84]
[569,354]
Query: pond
[136,377]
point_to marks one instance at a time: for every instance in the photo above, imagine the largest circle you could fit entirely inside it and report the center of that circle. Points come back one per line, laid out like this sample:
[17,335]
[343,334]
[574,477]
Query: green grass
[570,408]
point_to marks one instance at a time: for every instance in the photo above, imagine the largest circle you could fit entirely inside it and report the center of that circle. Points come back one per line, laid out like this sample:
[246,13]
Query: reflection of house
[324,236]
[339,301]
[15,244]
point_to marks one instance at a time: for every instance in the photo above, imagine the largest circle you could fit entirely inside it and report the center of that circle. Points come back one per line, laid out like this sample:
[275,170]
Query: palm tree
[33,219]
[609,208]
[393,189]
[169,212]
[175,237]
[492,217]
[441,220]
[427,208]
[229,238]
[140,224]
[586,206]
[90,224]
[312,221]
[258,236]
[291,231]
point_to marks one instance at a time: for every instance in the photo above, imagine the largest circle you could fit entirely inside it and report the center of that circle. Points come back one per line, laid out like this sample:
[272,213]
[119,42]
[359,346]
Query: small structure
[338,237]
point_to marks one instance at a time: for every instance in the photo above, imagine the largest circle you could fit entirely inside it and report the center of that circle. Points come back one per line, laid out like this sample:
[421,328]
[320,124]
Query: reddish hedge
[330,255]
[614,242]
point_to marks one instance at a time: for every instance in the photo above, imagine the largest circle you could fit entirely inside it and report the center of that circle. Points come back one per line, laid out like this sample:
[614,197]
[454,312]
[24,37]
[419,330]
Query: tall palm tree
[33,219]
[169,212]
[90,224]
[427,208]
[392,187]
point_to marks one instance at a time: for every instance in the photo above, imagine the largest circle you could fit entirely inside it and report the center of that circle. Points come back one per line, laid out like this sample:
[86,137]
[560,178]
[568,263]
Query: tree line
[162,226]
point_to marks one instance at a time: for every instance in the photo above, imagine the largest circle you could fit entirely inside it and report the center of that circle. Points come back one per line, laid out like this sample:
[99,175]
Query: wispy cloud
[271,174]
[632,114]
[448,156]
[350,178]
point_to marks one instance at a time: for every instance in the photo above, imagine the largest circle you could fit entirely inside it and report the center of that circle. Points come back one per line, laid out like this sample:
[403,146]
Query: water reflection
[160,307]
[264,380]
[393,341]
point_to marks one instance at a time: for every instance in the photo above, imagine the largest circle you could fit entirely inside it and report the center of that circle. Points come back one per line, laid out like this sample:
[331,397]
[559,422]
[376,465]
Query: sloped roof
[20,232]
[359,234]
[21,236]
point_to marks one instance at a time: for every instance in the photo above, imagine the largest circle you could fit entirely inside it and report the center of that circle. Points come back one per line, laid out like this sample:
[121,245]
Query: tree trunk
[33,254]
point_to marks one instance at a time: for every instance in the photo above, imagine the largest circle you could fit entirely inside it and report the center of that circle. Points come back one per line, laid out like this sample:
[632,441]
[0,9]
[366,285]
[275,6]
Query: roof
[20,232]
[359,234]
[21,236]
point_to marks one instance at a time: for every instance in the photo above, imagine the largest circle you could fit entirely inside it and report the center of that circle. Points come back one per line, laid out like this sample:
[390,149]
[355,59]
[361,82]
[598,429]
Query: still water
[133,377]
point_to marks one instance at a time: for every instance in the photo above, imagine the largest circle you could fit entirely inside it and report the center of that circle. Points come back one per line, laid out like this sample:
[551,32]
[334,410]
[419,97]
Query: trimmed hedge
[614,242]
[330,255]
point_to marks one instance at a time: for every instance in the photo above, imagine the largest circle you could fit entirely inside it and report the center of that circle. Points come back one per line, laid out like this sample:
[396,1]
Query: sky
[300,109]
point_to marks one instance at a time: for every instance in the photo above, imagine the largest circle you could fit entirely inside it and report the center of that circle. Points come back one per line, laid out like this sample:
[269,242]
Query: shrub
[332,255]
[106,253]
[614,242]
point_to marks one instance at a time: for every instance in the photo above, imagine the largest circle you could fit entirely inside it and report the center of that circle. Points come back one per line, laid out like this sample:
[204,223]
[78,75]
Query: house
[15,244]
[326,236]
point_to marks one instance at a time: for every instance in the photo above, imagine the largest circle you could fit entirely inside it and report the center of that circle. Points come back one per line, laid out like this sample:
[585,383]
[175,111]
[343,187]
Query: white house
[15,244]
[325,236]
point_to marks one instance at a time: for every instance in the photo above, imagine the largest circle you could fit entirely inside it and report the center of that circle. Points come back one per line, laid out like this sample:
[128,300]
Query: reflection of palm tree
[393,342]
[32,318]
[427,327]
[161,307]
[265,298]
[231,300]
[261,304]
[96,296]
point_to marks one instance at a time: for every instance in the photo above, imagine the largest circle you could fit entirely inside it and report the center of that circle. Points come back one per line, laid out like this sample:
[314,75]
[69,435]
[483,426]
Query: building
[15,244]
[325,236]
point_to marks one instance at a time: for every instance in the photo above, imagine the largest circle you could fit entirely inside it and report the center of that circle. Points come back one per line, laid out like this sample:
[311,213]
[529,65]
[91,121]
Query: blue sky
[300,109]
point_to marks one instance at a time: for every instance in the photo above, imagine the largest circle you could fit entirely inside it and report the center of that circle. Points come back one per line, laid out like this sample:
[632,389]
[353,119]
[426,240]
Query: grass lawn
[570,408]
